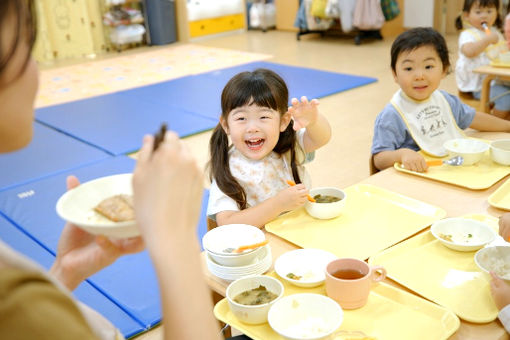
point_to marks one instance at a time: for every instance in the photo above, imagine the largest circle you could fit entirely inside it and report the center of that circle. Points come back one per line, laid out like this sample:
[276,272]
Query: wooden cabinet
[187,29]
[286,11]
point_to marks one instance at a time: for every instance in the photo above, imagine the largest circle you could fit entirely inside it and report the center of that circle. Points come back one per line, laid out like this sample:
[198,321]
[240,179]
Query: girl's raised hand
[293,197]
[303,112]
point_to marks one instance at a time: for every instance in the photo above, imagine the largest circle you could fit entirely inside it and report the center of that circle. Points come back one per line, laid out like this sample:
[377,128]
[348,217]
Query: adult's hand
[167,186]
[80,254]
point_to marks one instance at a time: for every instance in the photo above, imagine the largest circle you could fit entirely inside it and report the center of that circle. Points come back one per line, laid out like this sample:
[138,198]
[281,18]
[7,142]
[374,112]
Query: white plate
[466,234]
[77,206]
[308,263]
[259,266]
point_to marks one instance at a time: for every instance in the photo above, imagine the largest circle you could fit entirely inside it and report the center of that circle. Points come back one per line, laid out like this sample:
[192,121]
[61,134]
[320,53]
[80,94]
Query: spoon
[457,160]
[243,248]
[292,183]
[486,28]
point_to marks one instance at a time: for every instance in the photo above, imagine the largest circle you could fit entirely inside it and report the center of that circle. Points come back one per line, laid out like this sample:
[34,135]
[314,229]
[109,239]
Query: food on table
[118,208]
[256,296]
[465,238]
[326,198]
[492,262]
[293,276]
[446,237]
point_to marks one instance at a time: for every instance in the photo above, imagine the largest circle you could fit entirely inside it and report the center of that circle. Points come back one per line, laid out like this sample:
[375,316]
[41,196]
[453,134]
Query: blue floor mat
[50,152]
[32,209]
[116,122]
[87,294]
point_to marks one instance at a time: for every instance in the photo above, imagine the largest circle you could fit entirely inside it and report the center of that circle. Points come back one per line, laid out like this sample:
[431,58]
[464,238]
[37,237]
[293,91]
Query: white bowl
[77,206]
[305,316]
[471,150]
[236,260]
[465,234]
[326,211]
[309,264]
[495,259]
[255,314]
[500,151]
[261,264]
[220,238]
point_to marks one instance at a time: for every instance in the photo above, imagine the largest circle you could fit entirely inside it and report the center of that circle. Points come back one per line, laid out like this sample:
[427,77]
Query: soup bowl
[500,151]
[252,314]
[326,211]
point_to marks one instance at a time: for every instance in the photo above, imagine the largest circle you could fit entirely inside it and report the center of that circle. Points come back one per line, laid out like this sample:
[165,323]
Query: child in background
[500,289]
[419,115]
[479,43]
[270,144]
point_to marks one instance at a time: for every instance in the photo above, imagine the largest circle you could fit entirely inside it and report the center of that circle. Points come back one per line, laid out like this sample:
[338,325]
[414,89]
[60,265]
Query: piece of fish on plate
[118,208]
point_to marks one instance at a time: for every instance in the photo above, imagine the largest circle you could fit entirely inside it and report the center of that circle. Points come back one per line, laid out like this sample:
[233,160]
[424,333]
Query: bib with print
[430,122]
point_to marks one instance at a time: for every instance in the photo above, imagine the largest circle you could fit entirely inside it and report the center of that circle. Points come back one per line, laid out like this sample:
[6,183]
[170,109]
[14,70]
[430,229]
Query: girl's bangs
[252,91]
[486,3]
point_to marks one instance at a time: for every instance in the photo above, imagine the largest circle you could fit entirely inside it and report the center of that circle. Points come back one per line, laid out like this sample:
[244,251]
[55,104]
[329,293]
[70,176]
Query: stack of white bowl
[228,265]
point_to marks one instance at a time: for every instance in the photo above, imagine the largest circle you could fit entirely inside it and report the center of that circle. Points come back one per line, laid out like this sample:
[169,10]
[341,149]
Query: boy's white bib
[430,122]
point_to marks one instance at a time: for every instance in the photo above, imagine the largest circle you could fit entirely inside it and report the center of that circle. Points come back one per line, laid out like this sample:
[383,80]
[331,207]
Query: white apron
[430,122]
[263,179]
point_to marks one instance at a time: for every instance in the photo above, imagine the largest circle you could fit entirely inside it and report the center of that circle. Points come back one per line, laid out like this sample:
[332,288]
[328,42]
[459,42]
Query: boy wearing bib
[419,116]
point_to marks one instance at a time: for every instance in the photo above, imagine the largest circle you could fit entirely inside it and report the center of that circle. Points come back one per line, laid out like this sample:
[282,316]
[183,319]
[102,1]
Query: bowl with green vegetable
[462,234]
[329,202]
[304,267]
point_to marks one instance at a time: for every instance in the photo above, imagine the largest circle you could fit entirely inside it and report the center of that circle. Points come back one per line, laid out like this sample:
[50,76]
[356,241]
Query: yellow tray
[479,176]
[498,63]
[373,219]
[447,277]
[390,313]
[501,197]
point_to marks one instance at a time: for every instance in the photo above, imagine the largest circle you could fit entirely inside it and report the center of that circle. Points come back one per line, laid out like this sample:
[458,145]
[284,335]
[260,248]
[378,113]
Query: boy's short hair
[418,37]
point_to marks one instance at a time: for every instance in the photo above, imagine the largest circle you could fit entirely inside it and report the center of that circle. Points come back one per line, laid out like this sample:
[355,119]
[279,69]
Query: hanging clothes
[305,20]
[368,15]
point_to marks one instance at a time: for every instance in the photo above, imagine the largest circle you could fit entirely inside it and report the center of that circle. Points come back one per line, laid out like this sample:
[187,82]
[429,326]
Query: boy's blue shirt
[391,133]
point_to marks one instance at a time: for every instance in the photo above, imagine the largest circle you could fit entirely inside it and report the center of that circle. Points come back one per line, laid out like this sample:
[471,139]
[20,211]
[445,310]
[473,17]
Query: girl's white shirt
[467,80]
[260,179]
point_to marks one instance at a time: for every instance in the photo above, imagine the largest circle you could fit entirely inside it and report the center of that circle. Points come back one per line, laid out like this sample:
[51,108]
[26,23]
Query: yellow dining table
[455,200]
[492,71]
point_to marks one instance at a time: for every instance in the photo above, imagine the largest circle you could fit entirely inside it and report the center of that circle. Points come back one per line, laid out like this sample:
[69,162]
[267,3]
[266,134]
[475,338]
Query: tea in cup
[348,281]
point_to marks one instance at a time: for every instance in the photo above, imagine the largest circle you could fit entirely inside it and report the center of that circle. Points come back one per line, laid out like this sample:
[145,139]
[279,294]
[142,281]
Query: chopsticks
[159,136]
[292,183]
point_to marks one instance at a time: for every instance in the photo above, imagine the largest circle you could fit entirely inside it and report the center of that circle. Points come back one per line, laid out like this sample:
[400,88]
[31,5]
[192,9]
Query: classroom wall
[418,13]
